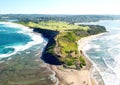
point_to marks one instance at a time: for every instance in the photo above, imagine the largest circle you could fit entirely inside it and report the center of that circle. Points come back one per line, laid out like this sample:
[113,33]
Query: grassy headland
[62,46]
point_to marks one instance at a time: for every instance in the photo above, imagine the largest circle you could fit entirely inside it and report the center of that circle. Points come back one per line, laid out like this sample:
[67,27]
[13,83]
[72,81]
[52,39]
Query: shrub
[82,60]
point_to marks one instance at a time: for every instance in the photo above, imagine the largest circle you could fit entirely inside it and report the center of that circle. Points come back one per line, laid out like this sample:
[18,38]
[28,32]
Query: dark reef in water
[50,35]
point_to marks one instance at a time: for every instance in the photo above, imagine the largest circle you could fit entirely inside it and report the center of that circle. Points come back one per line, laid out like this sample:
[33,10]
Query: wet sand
[73,77]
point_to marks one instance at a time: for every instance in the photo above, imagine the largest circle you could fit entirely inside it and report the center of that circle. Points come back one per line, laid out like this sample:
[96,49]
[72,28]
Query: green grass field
[53,25]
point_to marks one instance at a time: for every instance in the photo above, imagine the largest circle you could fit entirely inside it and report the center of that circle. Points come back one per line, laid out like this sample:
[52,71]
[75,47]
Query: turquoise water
[14,38]
[104,51]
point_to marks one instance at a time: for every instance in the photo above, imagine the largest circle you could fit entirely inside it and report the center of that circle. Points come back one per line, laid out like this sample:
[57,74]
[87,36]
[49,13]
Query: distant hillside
[66,18]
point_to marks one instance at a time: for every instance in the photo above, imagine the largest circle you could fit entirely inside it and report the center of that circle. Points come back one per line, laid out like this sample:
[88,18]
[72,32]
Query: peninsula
[62,51]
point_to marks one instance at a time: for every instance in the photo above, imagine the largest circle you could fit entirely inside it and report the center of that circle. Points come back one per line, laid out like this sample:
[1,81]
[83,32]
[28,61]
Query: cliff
[48,57]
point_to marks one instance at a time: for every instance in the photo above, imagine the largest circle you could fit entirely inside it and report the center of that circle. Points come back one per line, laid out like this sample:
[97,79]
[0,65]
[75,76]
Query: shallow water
[104,51]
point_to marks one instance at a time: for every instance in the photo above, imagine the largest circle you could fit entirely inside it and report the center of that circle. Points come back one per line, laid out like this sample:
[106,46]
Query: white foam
[90,46]
[87,47]
[19,26]
[110,78]
[111,73]
[36,38]
[96,46]
[94,64]
[98,49]
[108,64]
[114,51]
[112,37]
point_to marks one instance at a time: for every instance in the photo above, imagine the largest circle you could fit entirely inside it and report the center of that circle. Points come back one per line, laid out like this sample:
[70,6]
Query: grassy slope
[53,25]
[69,34]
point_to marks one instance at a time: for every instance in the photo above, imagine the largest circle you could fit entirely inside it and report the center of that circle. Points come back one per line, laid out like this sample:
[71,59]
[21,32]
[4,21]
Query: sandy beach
[73,77]
[77,77]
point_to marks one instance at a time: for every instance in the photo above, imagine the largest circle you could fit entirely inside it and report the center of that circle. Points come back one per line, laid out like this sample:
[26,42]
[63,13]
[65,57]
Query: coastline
[94,73]
[72,76]
[77,77]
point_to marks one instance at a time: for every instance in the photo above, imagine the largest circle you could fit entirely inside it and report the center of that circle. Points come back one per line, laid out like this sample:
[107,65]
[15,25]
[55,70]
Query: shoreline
[81,43]
[36,38]
[77,77]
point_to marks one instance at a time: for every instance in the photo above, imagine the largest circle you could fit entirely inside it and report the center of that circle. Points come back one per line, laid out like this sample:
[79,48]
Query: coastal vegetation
[54,25]
[63,39]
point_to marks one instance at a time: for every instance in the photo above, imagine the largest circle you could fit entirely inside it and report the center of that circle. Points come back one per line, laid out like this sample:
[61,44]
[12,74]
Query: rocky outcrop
[48,57]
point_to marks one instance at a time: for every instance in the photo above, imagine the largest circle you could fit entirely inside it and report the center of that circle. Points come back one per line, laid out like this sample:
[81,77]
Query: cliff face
[50,34]
[49,55]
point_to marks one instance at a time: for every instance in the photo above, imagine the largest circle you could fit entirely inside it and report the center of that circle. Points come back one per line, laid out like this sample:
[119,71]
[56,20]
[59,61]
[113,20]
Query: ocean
[104,51]
[14,38]
[20,52]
